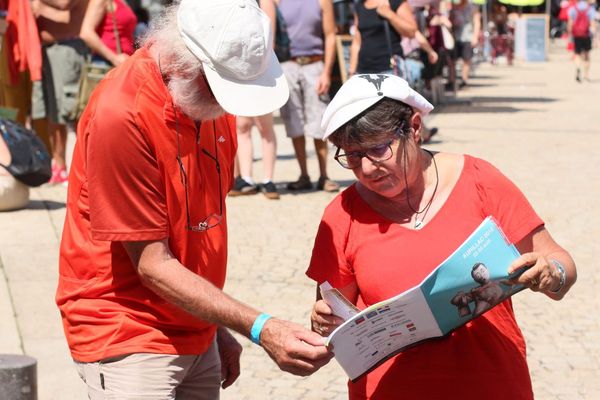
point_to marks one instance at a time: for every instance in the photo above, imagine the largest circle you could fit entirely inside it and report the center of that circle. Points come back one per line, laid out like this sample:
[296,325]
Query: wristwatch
[563,276]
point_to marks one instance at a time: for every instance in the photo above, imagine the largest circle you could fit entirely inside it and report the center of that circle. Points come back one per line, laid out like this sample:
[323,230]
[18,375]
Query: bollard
[18,377]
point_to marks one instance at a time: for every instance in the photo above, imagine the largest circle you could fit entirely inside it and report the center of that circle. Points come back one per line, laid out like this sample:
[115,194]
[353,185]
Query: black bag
[31,162]
[282,40]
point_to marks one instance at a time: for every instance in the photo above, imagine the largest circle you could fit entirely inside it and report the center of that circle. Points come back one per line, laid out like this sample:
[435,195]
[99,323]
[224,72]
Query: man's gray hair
[175,58]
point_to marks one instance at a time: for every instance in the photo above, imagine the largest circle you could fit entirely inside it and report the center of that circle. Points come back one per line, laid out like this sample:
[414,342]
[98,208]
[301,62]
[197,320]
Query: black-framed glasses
[376,154]
[213,219]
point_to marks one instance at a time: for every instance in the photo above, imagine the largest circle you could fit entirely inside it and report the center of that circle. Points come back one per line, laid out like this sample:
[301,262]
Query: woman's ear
[416,124]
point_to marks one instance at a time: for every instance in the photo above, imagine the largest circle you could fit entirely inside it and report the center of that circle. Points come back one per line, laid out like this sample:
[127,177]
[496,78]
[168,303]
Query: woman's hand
[541,275]
[322,319]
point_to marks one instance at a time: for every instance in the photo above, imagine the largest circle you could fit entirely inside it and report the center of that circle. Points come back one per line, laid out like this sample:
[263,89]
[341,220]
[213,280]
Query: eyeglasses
[213,219]
[376,154]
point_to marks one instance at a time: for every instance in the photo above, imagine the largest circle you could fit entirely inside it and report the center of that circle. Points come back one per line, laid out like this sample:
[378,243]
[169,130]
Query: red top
[22,41]
[126,21]
[125,185]
[485,359]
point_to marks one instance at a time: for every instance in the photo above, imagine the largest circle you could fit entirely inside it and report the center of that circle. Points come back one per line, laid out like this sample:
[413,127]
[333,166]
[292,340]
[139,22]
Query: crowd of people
[143,254]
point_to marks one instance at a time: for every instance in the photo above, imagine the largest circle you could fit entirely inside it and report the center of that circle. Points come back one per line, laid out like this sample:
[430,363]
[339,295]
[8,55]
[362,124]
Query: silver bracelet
[563,276]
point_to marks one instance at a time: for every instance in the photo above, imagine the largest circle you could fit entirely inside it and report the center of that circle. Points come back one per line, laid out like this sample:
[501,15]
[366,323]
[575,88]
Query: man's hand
[323,84]
[229,352]
[294,348]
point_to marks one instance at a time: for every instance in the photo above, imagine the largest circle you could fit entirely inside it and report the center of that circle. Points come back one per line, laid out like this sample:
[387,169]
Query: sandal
[327,185]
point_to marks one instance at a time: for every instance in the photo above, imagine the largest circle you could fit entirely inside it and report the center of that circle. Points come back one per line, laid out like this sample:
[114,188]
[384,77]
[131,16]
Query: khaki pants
[144,376]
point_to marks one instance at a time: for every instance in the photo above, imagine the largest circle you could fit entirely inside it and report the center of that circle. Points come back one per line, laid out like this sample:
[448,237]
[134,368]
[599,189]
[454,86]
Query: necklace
[419,221]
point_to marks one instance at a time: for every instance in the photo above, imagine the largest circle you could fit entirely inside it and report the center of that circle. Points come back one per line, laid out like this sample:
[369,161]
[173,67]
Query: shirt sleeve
[329,261]
[503,200]
[127,196]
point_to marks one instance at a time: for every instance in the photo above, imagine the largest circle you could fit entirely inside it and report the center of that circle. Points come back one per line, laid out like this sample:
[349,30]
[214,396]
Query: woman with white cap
[408,211]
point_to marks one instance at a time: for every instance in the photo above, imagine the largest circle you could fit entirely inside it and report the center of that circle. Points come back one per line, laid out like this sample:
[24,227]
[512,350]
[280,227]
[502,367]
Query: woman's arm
[94,15]
[354,48]
[403,20]
[268,6]
[545,258]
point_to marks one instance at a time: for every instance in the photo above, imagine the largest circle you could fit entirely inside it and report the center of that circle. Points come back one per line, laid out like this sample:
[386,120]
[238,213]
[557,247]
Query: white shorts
[303,111]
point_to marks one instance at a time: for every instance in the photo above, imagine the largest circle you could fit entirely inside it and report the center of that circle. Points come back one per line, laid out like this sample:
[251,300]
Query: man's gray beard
[195,102]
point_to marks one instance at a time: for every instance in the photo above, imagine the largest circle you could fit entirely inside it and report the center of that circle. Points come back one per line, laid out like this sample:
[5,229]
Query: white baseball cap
[233,40]
[362,91]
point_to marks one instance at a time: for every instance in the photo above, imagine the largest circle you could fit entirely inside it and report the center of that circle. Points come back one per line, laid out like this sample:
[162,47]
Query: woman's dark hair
[374,125]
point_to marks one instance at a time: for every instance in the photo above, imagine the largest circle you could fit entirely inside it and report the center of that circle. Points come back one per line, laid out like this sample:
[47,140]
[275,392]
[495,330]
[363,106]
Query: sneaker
[59,175]
[242,188]
[462,84]
[303,183]
[449,87]
[327,185]
[269,190]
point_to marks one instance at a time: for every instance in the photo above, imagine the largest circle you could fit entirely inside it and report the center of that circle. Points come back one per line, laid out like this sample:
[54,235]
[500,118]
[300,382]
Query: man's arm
[294,348]
[329,50]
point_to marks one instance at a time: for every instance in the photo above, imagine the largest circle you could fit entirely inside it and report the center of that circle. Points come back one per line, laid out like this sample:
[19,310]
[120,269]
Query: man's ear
[416,124]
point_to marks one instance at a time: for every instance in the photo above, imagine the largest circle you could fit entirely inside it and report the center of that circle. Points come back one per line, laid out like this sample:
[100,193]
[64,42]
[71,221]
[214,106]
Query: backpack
[282,40]
[581,26]
[30,160]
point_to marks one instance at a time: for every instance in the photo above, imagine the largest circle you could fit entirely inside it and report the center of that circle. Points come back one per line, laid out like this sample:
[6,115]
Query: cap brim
[248,98]
[347,112]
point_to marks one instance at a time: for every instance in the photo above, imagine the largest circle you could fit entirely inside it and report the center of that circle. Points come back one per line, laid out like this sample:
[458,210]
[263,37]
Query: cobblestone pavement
[533,121]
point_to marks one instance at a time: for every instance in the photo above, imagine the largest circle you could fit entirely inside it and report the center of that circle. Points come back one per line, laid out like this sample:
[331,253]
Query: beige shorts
[303,111]
[56,96]
[145,376]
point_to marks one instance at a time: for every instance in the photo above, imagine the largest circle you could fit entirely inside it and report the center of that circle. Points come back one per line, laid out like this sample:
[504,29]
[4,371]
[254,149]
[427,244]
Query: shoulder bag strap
[112,10]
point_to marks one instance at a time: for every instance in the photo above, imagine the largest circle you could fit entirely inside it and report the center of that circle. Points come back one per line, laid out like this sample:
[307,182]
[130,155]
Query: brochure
[468,283]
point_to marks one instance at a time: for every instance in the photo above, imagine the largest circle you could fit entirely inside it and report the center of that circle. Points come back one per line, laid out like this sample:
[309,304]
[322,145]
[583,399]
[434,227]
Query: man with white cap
[144,247]
[408,211]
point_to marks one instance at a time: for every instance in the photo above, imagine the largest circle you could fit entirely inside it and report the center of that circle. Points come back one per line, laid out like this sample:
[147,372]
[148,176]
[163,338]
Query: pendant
[418,224]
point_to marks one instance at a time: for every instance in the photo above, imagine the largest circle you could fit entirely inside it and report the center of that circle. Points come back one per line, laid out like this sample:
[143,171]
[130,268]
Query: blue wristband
[257,326]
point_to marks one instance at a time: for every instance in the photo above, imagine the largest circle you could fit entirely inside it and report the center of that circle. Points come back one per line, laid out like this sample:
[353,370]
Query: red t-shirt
[125,185]
[485,359]
[125,21]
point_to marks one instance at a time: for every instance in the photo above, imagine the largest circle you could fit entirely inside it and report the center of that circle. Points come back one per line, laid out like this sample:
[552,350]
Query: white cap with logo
[362,91]
[233,40]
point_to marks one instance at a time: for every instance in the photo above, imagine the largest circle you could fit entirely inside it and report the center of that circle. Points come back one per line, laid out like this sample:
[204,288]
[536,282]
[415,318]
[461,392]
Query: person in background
[144,248]
[369,51]
[108,30]
[582,28]
[244,183]
[466,26]
[311,29]
[408,211]
[63,55]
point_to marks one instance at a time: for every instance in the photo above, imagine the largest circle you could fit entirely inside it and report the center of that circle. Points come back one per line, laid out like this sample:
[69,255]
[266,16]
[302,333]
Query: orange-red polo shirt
[125,185]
